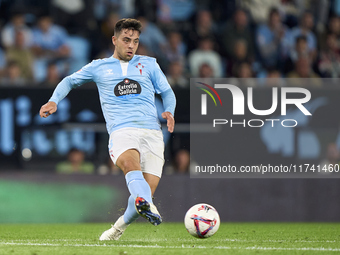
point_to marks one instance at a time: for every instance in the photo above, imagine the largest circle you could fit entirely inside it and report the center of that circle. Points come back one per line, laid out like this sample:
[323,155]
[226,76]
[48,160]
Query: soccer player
[127,84]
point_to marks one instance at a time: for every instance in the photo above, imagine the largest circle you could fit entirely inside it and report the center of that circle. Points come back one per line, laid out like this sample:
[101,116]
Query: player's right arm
[64,87]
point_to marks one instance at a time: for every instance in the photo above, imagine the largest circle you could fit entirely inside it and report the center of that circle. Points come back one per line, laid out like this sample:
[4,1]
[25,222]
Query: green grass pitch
[171,238]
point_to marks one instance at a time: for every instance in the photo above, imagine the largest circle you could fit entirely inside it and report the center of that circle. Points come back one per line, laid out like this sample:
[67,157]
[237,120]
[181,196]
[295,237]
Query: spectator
[305,28]
[142,50]
[77,16]
[332,158]
[49,45]
[147,8]
[269,40]
[303,69]
[203,27]
[299,51]
[333,28]
[205,54]
[101,40]
[50,40]
[20,54]
[238,29]
[176,77]
[53,76]
[329,60]
[75,164]
[205,71]
[301,48]
[102,8]
[245,74]
[239,55]
[13,75]
[259,9]
[2,62]
[220,10]
[181,163]
[107,27]
[243,70]
[173,10]
[152,37]
[8,33]
[274,73]
[109,168]
[320,10]
[175,50]
[106,51]
[274,78]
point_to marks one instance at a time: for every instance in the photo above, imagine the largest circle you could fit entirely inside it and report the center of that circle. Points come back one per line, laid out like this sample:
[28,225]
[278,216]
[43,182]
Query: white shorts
[148,142]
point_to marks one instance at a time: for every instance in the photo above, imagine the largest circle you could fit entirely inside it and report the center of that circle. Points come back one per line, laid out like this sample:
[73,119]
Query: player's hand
[48,109]
[170,121]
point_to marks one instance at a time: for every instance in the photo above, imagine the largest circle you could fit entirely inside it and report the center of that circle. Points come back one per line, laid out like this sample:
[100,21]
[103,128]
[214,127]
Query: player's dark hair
[130,24]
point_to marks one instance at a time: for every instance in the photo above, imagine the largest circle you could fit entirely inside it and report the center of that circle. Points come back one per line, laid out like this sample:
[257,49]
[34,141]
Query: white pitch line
[283,241]
[53,240]
[175,247]
[165,240]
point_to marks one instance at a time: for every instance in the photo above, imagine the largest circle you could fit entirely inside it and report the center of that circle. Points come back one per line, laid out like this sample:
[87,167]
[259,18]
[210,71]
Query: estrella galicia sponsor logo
[127,88]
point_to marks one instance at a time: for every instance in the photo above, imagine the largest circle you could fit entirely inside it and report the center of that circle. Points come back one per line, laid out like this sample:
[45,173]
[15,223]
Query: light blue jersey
[126,90]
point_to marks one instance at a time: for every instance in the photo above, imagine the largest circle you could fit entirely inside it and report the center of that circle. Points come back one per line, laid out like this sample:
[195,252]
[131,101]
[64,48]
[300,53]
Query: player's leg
[152,180]
[152,161]
[146,208]
[139,188]
[130,214]
[129,162]
[123,150]
[152,149]
[137,185]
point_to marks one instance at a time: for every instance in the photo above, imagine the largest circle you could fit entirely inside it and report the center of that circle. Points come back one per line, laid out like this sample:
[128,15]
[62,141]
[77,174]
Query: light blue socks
[138,187]
[130,214]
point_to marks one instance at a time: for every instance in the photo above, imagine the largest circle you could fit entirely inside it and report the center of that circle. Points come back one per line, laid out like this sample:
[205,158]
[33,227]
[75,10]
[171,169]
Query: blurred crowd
[76,163]
[44,41]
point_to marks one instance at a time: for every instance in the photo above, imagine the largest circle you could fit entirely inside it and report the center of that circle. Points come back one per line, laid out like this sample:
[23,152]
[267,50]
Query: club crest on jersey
[140,67]
[127,88]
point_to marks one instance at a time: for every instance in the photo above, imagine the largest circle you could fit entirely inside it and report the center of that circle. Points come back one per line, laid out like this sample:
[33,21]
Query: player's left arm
[163,88]
[169,103]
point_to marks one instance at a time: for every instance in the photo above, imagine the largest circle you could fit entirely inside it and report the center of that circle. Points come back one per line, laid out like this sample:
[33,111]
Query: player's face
[126,44]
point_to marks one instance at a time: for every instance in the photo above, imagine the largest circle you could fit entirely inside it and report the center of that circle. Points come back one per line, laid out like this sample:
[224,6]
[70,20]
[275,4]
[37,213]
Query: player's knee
[129,165]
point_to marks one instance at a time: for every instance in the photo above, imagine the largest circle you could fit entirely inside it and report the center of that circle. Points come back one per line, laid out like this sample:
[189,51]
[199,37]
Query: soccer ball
[202,221]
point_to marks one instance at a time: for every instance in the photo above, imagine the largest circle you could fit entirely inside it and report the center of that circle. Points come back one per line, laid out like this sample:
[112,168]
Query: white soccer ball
[202,220]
